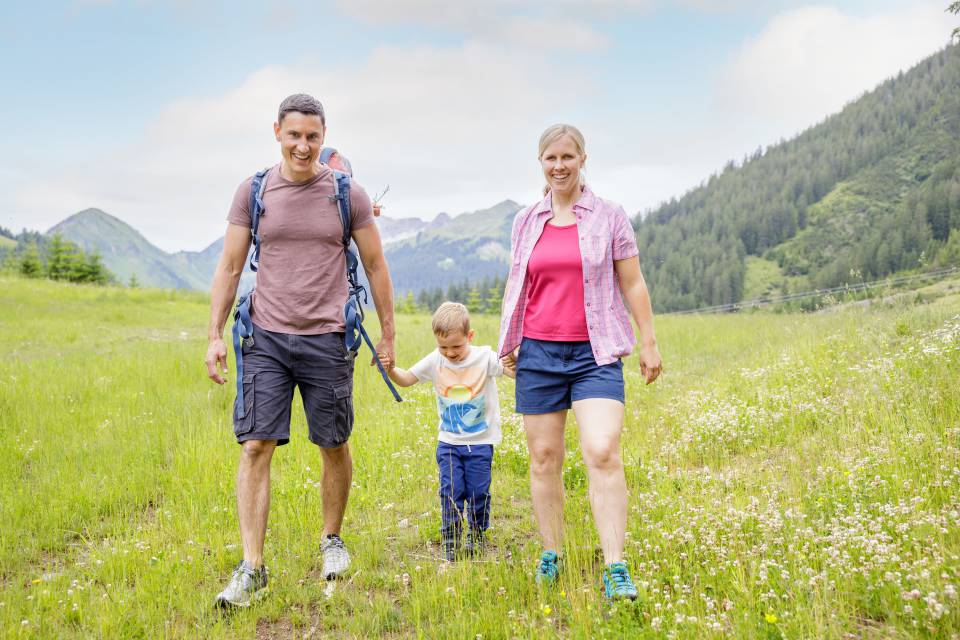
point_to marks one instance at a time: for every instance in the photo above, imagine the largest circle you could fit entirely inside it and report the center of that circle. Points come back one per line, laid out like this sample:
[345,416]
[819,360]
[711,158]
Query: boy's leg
[477,472]
[452,494]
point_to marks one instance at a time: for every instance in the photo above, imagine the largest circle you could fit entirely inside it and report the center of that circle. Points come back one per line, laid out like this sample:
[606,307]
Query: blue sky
[154,111]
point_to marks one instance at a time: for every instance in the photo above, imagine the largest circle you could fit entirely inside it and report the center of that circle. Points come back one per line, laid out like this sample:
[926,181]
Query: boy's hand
[387,362]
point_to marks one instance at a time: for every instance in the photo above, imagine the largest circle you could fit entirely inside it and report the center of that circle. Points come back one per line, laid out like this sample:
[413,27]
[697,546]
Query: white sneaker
[336,560]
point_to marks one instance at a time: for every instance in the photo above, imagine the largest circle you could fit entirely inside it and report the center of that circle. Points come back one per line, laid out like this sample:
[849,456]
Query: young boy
[469,411]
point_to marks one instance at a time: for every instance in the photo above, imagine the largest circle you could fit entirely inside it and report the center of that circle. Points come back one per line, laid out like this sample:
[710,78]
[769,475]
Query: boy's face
[455,346]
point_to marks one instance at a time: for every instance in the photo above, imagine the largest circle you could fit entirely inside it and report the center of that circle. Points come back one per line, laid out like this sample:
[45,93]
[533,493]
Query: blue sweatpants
[464,487]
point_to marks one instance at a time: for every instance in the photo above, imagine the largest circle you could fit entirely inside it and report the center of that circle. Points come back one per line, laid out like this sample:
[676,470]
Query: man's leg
[253,497]
[335,482]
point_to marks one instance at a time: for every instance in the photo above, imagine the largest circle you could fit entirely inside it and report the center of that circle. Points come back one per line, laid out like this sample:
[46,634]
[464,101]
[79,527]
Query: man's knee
[336,455]
[258,451]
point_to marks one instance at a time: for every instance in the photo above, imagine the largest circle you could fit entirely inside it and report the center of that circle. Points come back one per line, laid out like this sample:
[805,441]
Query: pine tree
[474,301]
[30,264]
[61,259]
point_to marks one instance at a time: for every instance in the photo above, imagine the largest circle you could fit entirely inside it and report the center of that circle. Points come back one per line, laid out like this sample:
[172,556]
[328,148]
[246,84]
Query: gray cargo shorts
[319,365]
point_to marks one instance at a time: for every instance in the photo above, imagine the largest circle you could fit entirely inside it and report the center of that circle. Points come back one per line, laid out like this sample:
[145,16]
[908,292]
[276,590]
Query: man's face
[300,136]
[454,346]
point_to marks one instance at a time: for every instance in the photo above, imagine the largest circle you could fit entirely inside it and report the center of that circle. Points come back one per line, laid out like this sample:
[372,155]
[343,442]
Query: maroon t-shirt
[302,278]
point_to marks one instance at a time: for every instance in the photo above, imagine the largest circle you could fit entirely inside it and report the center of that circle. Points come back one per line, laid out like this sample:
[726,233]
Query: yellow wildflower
[771,618]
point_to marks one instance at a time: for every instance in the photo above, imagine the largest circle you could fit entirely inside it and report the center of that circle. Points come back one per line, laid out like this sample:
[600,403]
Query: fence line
[860,286]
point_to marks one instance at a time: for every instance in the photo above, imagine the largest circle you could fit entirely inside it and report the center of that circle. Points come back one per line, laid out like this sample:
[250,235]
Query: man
[298,334]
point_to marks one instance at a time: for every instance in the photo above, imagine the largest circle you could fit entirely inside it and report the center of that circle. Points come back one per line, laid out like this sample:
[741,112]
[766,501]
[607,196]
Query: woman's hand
[509,361]
[650,363]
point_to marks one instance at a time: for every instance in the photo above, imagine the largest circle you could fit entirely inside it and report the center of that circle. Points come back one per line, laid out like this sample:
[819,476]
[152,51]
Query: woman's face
[561,165]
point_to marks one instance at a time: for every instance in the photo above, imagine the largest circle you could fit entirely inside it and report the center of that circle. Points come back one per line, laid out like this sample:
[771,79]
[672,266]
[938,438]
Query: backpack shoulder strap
[341,195]
[257,186]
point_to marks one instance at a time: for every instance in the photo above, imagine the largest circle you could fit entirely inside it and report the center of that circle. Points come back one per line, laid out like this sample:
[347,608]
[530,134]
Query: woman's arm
[634,289]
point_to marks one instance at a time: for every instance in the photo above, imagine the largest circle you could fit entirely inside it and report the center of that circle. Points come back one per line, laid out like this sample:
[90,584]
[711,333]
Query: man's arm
[381,286]
[236,245]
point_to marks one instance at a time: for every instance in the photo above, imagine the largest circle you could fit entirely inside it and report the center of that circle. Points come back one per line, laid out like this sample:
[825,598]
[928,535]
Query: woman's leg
[545,443]
[601,421]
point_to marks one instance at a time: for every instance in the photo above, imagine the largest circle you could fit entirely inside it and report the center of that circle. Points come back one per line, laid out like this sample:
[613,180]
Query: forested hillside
[872,190]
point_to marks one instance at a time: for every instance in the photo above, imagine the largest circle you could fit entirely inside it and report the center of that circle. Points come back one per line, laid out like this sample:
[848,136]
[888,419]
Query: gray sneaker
[246,586]
[336,560]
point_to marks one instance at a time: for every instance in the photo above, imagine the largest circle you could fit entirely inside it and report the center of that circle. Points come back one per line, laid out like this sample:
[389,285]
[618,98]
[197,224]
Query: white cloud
[809,62]
[441,125]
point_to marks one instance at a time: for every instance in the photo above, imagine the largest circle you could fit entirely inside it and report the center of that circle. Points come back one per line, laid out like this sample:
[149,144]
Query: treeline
[693,249]
[484,296]
[923,232]
[37,256]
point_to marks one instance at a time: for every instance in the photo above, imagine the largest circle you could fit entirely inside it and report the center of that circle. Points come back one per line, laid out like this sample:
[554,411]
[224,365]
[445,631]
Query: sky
[155,110]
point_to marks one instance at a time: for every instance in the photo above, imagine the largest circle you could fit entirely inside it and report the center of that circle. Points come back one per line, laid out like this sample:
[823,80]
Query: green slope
[872,190]
[126,252]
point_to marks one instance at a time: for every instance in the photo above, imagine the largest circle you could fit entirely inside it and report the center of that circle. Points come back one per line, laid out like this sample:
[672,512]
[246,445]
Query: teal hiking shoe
[617,582]
[548,569]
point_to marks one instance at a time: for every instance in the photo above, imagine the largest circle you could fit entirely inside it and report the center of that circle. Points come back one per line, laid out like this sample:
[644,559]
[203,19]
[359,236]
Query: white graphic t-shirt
[467,400]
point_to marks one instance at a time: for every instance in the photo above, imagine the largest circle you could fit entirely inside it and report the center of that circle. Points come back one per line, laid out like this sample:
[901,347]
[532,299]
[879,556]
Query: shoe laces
[335,541]
[548,564]
[619,575]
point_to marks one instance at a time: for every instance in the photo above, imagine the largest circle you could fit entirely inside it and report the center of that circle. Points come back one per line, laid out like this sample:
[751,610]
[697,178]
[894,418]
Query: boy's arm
[402,377]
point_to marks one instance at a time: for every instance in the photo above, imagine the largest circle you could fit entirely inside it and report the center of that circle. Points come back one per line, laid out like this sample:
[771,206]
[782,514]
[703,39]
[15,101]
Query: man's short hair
[301,103]
[451,317]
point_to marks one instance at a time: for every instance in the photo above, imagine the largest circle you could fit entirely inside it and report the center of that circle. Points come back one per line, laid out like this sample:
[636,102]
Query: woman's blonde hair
[554,133]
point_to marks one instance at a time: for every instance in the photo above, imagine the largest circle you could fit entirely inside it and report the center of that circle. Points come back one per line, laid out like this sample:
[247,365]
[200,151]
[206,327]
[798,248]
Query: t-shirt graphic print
[467,401]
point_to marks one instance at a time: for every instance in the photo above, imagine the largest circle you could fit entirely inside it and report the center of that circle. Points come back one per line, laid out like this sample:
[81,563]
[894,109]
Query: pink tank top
[554,309]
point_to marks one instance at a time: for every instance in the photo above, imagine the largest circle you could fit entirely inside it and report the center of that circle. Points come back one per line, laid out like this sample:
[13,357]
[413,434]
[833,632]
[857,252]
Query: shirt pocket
[596,254]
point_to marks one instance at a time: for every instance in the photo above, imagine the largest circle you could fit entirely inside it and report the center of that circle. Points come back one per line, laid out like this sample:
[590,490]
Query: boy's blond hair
[451,317]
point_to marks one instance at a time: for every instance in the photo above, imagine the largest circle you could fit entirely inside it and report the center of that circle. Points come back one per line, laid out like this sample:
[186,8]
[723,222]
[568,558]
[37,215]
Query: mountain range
[421,253]
[871,191]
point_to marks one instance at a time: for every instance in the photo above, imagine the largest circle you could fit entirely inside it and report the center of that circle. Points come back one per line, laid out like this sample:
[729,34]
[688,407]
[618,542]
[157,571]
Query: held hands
[509,363]
[386,354]
[216,361]
[650,363]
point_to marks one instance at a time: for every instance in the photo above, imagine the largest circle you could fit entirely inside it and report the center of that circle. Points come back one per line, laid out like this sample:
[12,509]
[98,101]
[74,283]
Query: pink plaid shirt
[605,236]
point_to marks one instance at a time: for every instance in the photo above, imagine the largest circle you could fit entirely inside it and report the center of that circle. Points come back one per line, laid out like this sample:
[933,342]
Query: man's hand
[650,363]
[385,362]
[385,354]
[216,360]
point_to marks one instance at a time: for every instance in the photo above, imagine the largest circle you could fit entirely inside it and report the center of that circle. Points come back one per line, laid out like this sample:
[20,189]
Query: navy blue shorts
[553,375]
[319,365]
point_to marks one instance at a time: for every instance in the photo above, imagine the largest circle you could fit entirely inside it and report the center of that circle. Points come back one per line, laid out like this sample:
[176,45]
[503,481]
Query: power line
[859,286]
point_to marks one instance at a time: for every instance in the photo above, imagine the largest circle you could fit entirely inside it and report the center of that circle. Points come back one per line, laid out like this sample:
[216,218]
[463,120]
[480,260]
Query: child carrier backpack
[354,334]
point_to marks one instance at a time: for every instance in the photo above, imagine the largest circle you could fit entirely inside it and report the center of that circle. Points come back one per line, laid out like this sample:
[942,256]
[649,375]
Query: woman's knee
[546,460]
[602,456]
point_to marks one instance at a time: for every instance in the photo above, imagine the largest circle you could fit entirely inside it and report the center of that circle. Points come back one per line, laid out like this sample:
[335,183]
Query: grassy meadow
[790,476]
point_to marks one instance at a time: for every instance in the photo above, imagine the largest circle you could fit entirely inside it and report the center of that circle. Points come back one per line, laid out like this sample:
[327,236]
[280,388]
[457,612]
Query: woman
[565,328]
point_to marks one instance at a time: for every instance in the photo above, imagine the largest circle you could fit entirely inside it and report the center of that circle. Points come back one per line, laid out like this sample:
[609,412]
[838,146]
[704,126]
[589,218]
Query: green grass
[763,278]
[7,243]
[790,476]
